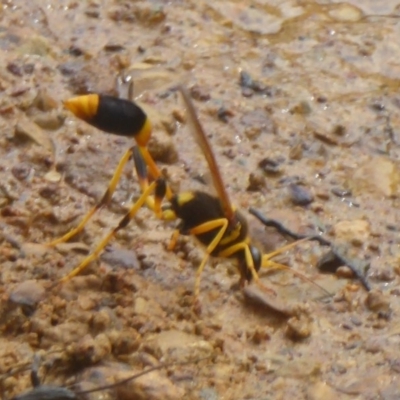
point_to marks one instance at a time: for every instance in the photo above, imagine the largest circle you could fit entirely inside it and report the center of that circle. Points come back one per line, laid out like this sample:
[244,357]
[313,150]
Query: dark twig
[320,239]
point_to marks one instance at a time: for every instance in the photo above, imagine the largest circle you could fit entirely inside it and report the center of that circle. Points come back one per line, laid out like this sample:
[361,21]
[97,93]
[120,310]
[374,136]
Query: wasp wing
[203,142]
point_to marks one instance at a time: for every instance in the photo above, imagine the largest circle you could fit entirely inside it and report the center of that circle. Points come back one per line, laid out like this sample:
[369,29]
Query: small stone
[21,171]
[299,327]
[27,294]
[302,108]
[377,301]
[199,93]
[120,258]
[340,192]
[50,120]
[260,335]
[256,181]
[300,195]
[270,166]
[344,272]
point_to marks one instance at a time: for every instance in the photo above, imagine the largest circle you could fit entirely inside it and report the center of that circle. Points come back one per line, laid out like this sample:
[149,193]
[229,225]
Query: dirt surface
[301,104]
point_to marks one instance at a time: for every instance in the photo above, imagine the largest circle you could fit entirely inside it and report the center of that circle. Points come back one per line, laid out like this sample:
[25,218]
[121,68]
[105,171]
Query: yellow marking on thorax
[184,198]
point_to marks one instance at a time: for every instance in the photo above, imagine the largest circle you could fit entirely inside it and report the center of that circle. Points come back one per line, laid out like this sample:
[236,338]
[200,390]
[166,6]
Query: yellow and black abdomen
[112,115]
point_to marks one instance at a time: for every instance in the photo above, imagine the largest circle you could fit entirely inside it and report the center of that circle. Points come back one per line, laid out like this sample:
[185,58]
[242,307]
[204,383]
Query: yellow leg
[242,246]
[142,160]
[268,256]
[174,239]
[105,200]
[271,264]
[122,224]
[221,223]
[154,170]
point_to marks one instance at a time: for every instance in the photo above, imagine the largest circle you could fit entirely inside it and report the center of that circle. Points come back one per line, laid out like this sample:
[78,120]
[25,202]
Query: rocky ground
[301,104]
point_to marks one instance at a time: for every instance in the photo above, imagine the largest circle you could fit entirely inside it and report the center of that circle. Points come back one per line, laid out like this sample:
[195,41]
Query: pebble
[256,181]
[120,258]
[27,293]
[270,166]
[377,301]
[300,195]
[299,327]
[50,120]
[199,93]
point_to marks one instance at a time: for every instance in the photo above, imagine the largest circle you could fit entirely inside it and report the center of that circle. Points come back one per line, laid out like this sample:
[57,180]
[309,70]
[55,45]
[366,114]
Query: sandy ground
[300,101]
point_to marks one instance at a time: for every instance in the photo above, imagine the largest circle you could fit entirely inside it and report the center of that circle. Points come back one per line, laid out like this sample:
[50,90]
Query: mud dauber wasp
[212,220]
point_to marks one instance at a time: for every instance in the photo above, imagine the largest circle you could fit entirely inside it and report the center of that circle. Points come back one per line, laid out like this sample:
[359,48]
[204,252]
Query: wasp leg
[154,186]
[104,200]
[154,203]
[273,265]
[267,263]
[242,246]
[267,257]
[154,170]
[222,224]
[173,240]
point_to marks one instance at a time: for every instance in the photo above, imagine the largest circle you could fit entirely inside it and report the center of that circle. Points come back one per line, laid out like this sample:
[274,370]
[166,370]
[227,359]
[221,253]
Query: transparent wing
[203,142]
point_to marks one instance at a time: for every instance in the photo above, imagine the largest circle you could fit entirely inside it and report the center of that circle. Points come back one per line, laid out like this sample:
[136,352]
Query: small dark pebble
[340,192]
[339,130]
[49,191]
[21,171]
[14,69]
[247,92]
[256,181]
[250,86]
[223,114]
[329,263]
[199,93]
[384,274]
[75,51]
[300,195]
[377,106]
[113,47]
[302,108]
[245,80]
[355,320]
[270,167]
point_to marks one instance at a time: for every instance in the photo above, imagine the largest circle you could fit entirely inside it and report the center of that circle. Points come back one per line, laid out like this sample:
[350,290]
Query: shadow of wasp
[212,220]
